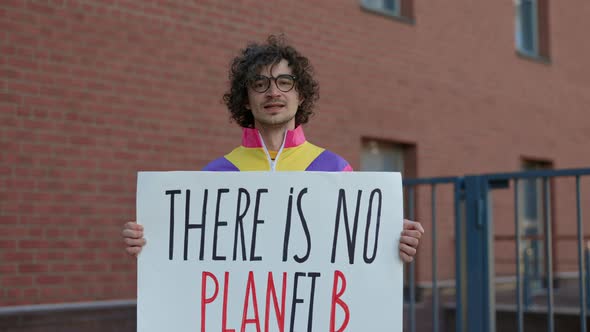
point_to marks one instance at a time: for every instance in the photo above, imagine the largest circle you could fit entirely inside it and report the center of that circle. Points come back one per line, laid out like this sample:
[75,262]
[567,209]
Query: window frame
[397,14]
[519,33]
[540,31]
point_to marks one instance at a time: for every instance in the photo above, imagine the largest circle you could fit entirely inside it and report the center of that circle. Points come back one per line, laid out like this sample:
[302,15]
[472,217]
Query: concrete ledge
[96,316]
[535,318]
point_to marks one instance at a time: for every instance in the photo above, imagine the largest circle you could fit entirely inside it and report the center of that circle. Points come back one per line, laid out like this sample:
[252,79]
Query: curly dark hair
[247,66]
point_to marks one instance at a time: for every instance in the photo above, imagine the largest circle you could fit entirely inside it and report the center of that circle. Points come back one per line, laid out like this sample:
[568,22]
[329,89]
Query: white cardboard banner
[260,251]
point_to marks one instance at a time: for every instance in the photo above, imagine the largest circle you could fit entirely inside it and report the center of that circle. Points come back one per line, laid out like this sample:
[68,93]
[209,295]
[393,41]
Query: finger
[133,225]
[411,241]
[132,234]
[405,258]
[409,224]
[406,249]
[133,251]
[418,227]
[135,242]
[412,233]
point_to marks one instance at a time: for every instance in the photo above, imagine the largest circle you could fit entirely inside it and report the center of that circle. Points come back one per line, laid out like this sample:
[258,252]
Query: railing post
[582,266]
[527,297]
[480,257]
[435,297]
[412,271]
[460,258]
[587,267]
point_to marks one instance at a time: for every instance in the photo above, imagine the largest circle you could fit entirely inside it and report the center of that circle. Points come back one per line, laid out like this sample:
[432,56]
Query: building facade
[94,91]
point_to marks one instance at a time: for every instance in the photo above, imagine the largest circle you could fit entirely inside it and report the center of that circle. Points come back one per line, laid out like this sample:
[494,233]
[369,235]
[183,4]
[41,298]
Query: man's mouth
[272,106]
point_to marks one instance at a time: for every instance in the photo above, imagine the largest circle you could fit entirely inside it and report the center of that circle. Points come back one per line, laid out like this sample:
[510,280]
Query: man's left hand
[410,240]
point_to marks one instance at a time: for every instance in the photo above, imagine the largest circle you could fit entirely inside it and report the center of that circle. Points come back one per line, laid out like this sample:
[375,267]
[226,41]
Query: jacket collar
[251,138]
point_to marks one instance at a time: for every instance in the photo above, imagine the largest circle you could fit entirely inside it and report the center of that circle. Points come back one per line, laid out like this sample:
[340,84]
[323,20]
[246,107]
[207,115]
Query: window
[532,217]
[382,156]
[379,156]
[533,192]
[532,28]
[399,9]
[387,156]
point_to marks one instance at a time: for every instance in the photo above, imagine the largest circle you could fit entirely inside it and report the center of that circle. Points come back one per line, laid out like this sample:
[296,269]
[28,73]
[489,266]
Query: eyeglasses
[284,83]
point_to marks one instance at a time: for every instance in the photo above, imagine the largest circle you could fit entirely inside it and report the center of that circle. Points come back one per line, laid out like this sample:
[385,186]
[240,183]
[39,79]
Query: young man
[272,94]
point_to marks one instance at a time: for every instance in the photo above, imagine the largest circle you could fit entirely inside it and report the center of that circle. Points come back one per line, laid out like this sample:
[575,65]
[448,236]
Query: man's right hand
[133,236]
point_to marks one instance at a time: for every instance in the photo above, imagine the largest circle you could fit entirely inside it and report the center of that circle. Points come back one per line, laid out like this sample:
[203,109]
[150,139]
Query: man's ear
[247,105]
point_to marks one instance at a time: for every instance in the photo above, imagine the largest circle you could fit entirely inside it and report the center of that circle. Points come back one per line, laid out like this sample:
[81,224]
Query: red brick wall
[93,91]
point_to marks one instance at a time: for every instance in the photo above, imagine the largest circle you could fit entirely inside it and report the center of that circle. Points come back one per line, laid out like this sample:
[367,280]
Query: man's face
[274,108]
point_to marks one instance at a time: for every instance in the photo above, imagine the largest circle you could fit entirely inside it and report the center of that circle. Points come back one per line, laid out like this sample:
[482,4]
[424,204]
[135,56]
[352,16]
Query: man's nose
[273,90]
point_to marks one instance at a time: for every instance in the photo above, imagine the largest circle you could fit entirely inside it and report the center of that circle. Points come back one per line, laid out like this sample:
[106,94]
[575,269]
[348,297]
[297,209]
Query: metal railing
[474,291]
[411,185]
[524,295]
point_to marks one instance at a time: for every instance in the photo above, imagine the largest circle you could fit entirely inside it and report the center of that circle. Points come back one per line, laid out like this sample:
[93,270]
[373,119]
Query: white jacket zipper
[273,163]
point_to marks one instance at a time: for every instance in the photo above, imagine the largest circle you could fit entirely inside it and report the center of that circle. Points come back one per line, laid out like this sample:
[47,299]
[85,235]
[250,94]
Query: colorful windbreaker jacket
[295,154]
